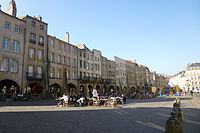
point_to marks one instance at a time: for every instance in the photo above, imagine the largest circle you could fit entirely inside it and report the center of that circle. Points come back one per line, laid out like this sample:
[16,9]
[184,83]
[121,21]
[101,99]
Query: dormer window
[41,27]
[33,24]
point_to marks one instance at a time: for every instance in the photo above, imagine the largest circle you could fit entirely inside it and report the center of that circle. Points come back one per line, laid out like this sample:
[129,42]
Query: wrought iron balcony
[94,80]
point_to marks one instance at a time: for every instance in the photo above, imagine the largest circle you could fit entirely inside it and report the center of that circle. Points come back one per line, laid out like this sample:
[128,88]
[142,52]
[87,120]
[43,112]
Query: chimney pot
[67,37]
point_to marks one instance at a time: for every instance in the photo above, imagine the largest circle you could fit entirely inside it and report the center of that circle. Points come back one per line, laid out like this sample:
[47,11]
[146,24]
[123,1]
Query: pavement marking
[150,124]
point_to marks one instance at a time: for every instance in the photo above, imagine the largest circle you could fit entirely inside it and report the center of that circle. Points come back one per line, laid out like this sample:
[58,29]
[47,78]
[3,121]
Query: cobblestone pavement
[137,116]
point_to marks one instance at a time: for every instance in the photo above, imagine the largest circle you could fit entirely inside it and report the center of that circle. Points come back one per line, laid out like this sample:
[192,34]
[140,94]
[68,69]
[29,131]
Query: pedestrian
[192,93]
[94,93]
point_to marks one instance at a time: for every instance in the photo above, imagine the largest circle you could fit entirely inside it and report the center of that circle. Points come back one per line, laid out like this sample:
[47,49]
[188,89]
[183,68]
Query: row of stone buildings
[189,79]
[33,62]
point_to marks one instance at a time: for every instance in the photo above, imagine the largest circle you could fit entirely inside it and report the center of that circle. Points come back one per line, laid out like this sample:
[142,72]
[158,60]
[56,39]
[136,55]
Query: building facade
[62,66]
[35,63]
[12,31]
[189,79]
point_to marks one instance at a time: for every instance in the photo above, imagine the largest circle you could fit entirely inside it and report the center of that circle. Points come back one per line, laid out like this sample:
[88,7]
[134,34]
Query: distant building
[188,79]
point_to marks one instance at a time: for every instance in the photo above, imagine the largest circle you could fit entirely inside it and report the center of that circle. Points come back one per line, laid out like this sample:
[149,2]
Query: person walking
[192,93]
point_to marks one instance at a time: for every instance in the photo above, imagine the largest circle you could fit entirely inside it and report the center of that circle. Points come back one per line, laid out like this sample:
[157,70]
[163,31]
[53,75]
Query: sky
[163,35]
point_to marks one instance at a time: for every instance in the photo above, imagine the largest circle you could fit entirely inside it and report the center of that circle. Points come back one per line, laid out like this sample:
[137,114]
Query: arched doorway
[34,89]
[8,87]
[125,90]
[133,90]
[55,90]
[90,89]
[71,89]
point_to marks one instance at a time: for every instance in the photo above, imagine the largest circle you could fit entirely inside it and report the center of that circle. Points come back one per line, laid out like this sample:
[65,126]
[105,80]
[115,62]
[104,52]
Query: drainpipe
[23,61]
[47,64]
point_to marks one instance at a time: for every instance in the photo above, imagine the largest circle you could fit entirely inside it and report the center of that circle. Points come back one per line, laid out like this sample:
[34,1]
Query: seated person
[81,101]
[64,100]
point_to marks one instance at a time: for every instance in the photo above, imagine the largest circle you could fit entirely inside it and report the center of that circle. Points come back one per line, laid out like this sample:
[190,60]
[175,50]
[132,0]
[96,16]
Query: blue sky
[164,35]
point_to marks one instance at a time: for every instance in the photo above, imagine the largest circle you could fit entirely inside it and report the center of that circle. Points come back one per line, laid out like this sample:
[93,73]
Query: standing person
[185,92]
[94,93]
[124,98]
[191,92]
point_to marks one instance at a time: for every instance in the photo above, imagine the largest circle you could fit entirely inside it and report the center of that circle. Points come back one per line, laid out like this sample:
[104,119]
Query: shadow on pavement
[118,120]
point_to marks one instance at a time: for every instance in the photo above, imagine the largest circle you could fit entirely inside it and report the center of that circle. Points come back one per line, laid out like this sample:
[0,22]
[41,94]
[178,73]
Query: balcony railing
[34,76]
[94,79]
[55,77]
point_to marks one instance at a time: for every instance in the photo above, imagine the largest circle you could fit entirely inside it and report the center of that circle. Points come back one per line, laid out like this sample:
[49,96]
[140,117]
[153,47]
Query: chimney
[39,18]
[67,37]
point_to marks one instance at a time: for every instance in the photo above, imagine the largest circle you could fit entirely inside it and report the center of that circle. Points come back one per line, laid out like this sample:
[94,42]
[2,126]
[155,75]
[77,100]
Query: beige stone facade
[35,56]
[33,62]
[62,58]
[121,75]
[12,32]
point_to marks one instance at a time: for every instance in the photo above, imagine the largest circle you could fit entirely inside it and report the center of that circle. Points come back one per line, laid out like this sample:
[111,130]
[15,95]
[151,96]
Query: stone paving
[137,116]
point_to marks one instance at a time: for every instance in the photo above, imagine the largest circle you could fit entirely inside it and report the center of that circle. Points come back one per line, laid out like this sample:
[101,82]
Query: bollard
[173,125]
[179,113]
[177,103]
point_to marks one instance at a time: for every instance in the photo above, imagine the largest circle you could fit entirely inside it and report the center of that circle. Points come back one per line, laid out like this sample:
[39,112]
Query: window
[4,65]
[30,70]
[41,27]
[74,63]
[84,54]
[15,46]
[80,63]
[41,40]
[31,53]
[59,73]
[74,75]
[33,38]
[68,74]
[87,66]
[80,53]
[52,43]
[96,67]
[91,66]
[7,25]
[63,46]
[84,64]
[59,59]
[63,60]
[39,72]
[68,61]
[52,57]
[40,55]
[16,29]
[80,75]
[52,72]
[14,66]
[33,24]
[6,44]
